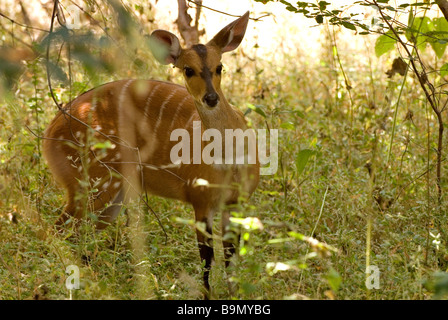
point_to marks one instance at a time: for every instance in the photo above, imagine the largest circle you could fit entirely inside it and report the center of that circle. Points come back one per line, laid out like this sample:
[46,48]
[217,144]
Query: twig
[21,24]
[199,3]
[443,5]
[14,36]
[320,212]
[53,15]
[189,33]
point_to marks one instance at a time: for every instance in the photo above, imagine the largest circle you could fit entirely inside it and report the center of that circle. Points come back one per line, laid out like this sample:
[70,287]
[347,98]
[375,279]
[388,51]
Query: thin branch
[199,3]
[189,33]
[53,15]
[21,24]
[423,80]
[443,5]
[15,37]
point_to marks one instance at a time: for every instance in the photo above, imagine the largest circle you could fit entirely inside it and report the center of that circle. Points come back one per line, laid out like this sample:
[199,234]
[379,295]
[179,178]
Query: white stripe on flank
[122,93]
[148,100]
[122,110]
[162,107]
[179,107]
[176,114]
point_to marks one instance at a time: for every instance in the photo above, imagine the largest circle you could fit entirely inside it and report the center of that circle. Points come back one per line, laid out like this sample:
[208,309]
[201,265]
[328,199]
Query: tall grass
[349,195]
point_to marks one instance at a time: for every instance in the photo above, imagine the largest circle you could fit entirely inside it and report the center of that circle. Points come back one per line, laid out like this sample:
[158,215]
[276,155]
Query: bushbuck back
[116,140]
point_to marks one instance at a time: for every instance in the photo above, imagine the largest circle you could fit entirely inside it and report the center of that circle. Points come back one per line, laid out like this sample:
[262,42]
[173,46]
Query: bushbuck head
[201,64]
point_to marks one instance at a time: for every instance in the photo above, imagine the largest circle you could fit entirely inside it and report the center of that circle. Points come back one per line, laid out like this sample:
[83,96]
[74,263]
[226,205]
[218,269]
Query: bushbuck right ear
[165,46]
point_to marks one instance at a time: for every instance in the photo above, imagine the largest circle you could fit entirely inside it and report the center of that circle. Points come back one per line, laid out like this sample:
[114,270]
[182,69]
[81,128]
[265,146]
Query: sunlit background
[277,29]
[356,169]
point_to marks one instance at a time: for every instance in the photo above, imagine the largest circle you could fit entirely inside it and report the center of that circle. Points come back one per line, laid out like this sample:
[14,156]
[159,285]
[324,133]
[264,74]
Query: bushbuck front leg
[205,244]
[228,245]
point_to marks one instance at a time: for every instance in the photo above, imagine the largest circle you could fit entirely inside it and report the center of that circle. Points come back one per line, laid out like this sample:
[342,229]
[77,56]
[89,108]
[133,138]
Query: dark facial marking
[205,74]
[201,50]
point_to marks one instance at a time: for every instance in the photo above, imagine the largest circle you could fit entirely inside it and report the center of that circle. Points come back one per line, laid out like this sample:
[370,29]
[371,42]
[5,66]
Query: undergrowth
[345,181]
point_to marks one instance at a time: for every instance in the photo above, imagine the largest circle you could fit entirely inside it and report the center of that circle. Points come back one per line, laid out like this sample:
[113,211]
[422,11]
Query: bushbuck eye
[189,72]
[219,69]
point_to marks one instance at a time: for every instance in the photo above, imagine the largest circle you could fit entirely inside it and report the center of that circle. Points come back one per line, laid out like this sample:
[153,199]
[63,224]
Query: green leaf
[444,70]
[323,5]
[296,235]
[385,43]
[300,114]
[258,109]
[287,125]
[302,159]
[348,25]
[248,288]
[440,285]
[104,145]
[417,32]
[334,280]
[289,6]
[441,34]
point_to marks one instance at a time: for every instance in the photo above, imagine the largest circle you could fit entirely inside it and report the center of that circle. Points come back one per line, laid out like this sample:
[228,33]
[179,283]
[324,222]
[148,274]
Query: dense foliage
[362,173]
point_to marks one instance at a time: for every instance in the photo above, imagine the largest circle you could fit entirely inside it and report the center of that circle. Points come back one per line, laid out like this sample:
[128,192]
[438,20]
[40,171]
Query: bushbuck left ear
[165,46]
[230,37]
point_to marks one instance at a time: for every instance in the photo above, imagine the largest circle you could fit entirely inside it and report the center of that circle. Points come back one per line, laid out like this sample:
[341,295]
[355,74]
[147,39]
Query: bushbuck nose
[211,99]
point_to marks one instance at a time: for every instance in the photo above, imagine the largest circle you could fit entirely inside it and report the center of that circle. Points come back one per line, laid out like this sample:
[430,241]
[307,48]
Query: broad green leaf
[348,25]
[302,159]
[444,70]
[417,32]
[441,36]
[385,43]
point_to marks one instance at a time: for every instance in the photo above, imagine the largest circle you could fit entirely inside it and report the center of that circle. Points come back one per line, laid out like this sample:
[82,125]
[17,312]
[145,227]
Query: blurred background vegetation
[357,91]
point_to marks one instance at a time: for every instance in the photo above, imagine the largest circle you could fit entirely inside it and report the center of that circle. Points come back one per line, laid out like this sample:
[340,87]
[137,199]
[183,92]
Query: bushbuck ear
[230,37]
[165,46]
